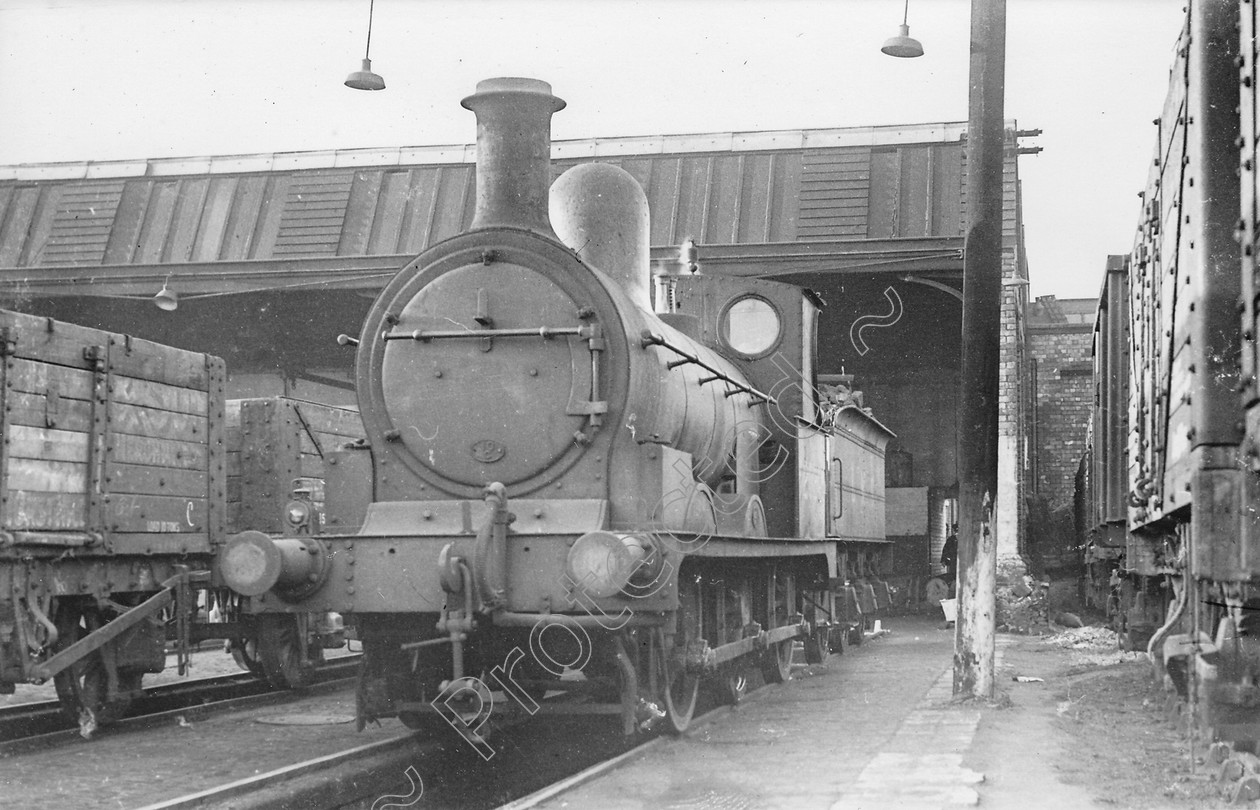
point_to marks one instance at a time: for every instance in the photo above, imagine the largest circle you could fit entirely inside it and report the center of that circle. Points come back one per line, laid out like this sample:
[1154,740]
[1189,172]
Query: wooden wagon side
[112,501]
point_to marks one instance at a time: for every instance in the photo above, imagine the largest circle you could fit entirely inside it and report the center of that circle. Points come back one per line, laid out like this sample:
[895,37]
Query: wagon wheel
[681,688]
[280,643]
[83,687]
[245,654]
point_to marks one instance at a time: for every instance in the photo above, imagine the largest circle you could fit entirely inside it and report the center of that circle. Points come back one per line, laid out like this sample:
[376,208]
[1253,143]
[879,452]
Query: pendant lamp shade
[365,79]
[903,45]
[166,299]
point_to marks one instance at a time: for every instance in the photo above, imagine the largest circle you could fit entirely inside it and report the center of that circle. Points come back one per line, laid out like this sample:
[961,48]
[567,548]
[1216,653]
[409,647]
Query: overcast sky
[103,80]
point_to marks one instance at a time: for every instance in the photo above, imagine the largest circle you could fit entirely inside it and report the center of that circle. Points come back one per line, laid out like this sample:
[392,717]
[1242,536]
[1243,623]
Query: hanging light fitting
[365,79]
[166,299]
[903,45]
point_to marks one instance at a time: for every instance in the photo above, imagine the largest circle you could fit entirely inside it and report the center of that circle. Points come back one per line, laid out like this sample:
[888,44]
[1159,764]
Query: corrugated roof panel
[15,225]
[916,169]
[640,169]
[125,234]
[421,207]
[391,207]
[156,222]
[214,217]
[725,180]
[15,216]
[782,187]
[754,208]
[915,191]
[360,211]
[81,223]
[189,203]
[785,189]
[835,190]
[314,211]
[455,192]
[662,194]
[275,195]
[948,190]
[779,140]
[242,222]
[693,199]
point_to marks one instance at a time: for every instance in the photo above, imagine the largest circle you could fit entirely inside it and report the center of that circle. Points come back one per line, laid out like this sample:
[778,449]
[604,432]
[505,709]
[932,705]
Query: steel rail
[44,720]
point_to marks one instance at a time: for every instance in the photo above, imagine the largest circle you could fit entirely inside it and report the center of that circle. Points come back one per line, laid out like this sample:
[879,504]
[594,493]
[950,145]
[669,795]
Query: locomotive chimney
[513,152]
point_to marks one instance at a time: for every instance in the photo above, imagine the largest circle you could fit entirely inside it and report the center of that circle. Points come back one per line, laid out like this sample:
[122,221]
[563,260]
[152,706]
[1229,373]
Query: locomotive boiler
[561,492]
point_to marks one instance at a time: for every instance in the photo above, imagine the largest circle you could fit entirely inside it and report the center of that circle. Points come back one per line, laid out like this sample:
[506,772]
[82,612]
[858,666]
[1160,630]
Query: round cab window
[751,326]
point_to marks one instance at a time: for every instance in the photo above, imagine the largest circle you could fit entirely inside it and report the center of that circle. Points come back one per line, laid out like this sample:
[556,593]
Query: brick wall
[1064,383]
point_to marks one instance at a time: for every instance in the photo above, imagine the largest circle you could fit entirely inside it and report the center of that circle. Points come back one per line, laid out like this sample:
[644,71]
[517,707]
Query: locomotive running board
[724,546]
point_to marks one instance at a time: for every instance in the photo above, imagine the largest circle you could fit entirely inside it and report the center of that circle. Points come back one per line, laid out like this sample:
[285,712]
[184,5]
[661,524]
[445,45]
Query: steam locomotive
[583,489]
[1170,494]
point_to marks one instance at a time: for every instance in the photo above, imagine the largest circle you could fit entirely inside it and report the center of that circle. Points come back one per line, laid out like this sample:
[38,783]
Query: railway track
[394,771]
[406,770]
[45,719]
[305,753]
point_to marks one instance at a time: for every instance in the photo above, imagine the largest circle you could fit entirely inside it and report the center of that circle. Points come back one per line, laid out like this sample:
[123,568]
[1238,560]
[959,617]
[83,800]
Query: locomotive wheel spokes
[280,643]
[680,687]
[83,687]
[776,662]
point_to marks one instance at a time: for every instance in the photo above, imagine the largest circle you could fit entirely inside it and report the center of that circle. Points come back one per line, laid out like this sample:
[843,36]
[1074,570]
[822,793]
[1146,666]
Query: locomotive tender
[573,482]
[1171,498]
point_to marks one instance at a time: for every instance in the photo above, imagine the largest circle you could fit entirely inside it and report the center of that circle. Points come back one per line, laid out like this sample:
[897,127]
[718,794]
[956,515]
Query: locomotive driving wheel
[83,687]
[776,662]
[680,688]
